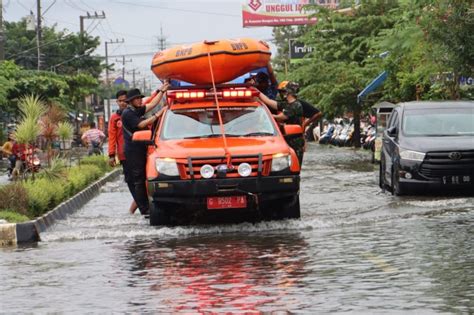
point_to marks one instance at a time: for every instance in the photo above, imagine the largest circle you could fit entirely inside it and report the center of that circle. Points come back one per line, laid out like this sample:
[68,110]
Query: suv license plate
[226,202]
[456,180]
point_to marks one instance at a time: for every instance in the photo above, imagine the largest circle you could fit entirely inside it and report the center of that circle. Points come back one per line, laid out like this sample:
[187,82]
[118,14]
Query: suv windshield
[439,122]
[204,123]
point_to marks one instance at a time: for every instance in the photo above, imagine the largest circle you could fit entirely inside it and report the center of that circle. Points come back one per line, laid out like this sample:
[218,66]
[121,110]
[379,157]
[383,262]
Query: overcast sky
[138,22]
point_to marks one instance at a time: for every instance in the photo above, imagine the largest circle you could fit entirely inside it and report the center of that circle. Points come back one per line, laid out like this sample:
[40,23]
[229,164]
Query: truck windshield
[204,123]
[439,122]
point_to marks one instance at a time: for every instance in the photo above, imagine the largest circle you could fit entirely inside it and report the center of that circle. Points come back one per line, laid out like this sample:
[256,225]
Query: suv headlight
[167,167]
[280,162]
[412,155]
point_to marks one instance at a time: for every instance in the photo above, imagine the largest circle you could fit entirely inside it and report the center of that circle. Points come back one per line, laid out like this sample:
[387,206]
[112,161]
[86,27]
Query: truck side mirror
[143,136]
[392,132]
[293,130]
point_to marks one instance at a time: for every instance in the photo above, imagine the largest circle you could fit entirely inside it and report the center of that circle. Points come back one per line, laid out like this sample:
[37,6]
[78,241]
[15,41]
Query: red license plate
[226,202]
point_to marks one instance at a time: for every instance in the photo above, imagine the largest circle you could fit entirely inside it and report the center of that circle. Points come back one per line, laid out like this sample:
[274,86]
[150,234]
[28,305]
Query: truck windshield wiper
[204,136]
[253,134]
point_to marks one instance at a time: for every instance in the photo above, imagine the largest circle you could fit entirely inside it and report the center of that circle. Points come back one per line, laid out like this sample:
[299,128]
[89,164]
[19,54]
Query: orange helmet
[289,87]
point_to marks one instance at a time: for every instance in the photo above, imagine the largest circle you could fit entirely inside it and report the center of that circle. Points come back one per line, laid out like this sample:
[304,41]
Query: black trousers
[134,170]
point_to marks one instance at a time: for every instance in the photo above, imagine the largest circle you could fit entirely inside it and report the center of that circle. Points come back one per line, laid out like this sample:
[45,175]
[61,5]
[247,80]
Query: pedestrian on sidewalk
[135,153]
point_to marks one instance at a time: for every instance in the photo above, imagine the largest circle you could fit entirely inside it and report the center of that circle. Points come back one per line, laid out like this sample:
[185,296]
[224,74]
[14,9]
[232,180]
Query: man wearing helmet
[290,112]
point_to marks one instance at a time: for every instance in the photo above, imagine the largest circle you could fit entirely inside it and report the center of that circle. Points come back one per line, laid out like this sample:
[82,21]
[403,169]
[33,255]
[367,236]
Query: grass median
[25,200]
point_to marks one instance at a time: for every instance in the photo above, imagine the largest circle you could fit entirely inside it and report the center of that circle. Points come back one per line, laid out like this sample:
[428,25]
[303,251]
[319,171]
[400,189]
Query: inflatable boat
[229,59]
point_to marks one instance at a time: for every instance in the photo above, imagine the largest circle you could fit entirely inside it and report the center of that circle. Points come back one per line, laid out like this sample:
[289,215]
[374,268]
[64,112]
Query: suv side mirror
[293,130]
[392,132]
[143,136]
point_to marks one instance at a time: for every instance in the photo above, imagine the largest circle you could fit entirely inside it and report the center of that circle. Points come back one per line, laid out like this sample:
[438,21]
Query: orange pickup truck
[219,150]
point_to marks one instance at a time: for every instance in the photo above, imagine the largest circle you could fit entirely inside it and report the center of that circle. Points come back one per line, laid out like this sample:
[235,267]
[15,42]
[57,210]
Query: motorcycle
[24,169]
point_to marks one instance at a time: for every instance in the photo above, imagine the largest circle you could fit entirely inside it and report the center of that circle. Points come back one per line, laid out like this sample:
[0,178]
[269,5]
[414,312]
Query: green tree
[431,47]
[63,52]
[344,60]
[66,90]
[281,38]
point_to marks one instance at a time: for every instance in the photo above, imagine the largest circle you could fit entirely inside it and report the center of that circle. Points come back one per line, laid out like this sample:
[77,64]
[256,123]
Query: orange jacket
[116,145]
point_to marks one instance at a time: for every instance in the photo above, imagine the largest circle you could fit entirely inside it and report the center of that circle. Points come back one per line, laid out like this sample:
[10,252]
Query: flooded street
[355,249]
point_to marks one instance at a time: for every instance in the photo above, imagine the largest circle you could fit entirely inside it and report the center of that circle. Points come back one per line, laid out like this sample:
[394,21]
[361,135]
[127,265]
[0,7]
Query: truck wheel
[290,209]
[159,216]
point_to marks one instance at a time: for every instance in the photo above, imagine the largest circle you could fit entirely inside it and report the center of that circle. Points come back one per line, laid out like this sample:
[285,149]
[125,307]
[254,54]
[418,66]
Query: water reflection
[238,273]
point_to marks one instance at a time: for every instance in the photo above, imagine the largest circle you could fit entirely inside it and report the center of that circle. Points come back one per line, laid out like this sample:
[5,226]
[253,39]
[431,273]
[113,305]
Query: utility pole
[89,16]
[123,62]
[2,38]
[38,31]
[107,83]
[133,72]
[94,16]
[161,40]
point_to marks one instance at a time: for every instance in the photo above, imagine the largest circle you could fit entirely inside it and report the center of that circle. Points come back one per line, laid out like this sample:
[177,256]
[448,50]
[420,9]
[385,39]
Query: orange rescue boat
[230,58]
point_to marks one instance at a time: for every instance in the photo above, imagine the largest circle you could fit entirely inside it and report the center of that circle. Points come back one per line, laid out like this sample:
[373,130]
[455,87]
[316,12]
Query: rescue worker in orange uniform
[115,133]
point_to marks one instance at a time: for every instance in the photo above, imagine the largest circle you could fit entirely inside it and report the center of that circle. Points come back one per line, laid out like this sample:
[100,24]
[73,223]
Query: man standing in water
[135,153]
[291,112]
[116,145]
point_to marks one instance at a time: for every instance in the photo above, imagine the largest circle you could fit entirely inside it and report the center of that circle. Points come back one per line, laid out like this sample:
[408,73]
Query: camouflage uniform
[294,112]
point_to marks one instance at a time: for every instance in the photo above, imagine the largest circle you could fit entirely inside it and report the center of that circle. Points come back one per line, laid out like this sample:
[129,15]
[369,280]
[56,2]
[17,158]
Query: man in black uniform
[291,112]
[311,114]
[135,153]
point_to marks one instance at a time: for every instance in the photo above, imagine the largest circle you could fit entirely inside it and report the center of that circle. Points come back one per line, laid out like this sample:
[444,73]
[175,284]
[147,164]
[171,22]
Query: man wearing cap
[290,112]
[135,153]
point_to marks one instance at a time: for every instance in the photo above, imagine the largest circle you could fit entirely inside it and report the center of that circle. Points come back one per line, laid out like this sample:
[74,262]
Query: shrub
[14,197]
[12,216]
[97,160]
[79,177]
[44,195]
[56,170]
[65,131]
[38,198]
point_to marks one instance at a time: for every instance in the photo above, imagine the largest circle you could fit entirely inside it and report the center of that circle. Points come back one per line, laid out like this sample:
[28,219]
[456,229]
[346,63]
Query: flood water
[355,250]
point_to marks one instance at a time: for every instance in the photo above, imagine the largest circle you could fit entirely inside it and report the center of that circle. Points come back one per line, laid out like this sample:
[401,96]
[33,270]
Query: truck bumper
[194,193]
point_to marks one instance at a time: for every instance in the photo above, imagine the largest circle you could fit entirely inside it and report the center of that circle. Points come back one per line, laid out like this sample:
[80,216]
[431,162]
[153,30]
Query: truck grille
[439,164]
[191,170]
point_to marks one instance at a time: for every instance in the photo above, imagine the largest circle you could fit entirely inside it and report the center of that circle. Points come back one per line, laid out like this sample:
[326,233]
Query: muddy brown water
[355,250]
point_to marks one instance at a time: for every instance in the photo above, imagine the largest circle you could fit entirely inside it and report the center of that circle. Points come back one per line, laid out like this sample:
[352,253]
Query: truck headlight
[167,167]
[412,155]
[280,162]
[244,169]
[207,171]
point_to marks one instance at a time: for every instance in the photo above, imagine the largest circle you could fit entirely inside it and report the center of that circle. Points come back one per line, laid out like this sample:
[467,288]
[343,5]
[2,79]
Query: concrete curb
[27,232]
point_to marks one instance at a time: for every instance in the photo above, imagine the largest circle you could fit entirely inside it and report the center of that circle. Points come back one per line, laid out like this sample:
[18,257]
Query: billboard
[276,13]
[298,50]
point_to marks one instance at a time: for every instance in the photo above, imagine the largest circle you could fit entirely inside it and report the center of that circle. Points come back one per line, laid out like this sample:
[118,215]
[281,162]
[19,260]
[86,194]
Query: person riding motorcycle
[94,139]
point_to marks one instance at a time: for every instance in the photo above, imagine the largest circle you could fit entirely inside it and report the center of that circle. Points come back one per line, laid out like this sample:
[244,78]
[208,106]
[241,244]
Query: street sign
[298,49]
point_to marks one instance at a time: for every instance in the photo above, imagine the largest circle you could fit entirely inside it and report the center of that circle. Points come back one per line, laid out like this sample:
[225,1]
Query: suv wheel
[381,177]
[159,216]
[396,188]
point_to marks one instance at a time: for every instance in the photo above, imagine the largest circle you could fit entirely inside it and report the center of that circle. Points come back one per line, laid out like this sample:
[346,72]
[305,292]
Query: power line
[42,45]
[174,9]
[50,6]
[87,5]
[71,4]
